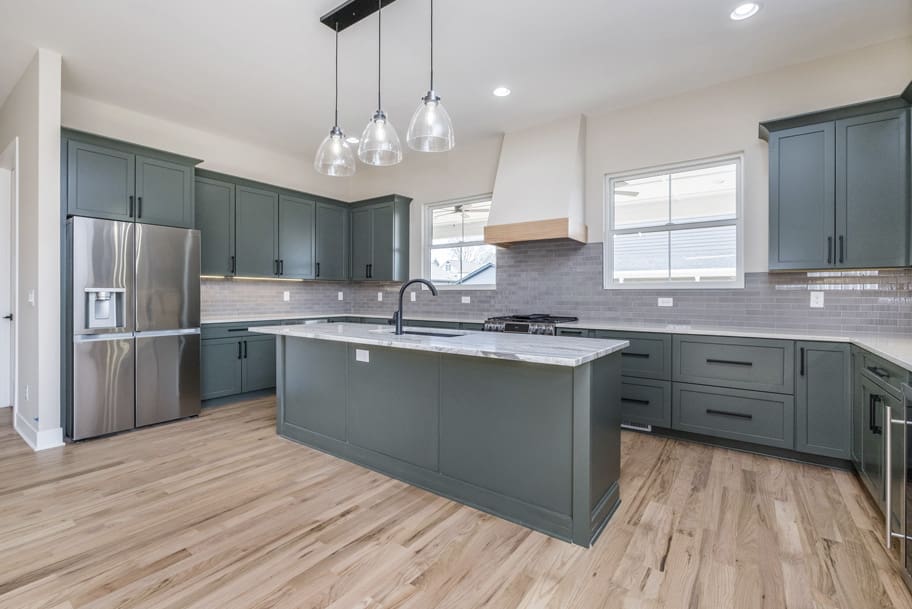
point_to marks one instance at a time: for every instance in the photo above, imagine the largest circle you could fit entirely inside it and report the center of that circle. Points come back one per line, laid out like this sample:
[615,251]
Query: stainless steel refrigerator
[133,315]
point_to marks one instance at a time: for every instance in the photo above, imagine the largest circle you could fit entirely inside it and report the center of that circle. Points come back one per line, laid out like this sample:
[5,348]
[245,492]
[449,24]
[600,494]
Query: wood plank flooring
[220,513]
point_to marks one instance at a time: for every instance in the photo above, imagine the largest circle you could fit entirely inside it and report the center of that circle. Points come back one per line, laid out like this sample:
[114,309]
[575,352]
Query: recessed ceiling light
[352,140]
[745,10]
[501,91]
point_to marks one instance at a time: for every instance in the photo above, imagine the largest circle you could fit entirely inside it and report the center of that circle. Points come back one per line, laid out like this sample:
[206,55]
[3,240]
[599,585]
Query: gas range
[527,324]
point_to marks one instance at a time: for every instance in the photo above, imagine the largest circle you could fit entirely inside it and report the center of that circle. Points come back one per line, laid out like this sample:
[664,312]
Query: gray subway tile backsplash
[566,279]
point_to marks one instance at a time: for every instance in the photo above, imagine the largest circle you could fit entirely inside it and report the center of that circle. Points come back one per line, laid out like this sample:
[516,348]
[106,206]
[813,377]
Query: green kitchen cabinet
[872,190]
[257,234]
[823,405]
[297,231]
[221,367]
[259,363]
[332,242]
[380,239]
[839,185]
[164,192]
[100,181]
[113,180]
[858,411]
[873,455]
[215,211]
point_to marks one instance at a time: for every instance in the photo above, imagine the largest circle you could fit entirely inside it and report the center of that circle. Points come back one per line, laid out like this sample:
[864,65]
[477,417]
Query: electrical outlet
[28,393]
[666,302]
[341,296]
[286,296]
[379,296]
[816,300]
[362,355]
[414,296]
[466,299]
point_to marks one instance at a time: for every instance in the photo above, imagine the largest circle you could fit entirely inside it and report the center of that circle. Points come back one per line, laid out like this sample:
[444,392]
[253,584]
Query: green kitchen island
[524,427]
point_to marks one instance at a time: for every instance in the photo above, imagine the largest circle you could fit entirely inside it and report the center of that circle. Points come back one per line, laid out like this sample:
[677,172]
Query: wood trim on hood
[537,230]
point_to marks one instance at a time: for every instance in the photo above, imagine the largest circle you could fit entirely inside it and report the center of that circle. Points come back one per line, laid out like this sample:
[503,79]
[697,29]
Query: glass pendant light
[335,156]
[431,129]
[379,143]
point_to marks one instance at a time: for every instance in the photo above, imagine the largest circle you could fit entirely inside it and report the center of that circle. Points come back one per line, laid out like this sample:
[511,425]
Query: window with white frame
[455,251]
[675,227]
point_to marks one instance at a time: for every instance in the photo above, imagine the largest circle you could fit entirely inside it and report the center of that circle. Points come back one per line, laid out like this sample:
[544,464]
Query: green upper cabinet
[164,192]
[840,187]
[802,187]
[872,190]
[115,180]
[380,239]
[331,260]
[215,211]
[297,227]
[256,232]
[100,181]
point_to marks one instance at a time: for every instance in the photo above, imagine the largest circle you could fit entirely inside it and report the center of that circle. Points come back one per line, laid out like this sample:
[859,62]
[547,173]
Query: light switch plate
[414,296]
[379,296]
[466,299]
[31,297]
[341,296]
[286,295]
[666,302]
[816,300]
[362,355]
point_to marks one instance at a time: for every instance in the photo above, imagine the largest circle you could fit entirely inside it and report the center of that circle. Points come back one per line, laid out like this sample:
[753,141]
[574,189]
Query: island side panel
[313,383]
[507,427]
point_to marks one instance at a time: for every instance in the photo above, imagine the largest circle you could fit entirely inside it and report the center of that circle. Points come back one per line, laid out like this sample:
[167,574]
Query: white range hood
[538,191]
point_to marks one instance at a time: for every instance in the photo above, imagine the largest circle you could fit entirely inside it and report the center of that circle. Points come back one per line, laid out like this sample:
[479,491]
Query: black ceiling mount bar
[351,12]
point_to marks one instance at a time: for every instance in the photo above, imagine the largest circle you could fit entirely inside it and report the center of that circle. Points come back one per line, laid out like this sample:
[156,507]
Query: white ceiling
[262,71]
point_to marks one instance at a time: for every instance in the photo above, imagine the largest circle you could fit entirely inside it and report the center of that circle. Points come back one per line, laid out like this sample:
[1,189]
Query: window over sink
[455,254]
[677,226]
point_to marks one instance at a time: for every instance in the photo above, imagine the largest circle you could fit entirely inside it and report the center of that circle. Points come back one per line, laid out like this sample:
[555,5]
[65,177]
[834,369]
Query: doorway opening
[9,247]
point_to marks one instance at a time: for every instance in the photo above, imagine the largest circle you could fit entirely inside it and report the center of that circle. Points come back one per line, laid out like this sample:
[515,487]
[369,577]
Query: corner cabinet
[380,239]
[115,180]
[840,187]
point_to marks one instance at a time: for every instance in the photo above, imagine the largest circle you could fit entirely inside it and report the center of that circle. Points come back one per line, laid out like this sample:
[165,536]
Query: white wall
[710,122]
[218,152]
[32,113]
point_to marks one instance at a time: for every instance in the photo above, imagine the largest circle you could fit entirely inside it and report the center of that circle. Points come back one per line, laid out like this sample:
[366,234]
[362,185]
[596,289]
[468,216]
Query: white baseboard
[38,439]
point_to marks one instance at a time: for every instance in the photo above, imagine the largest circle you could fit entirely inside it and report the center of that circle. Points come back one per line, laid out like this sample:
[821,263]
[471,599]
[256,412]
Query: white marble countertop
[550,350]
[259,318]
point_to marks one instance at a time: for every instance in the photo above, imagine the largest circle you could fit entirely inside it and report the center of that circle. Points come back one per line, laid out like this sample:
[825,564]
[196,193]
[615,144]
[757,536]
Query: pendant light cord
[336,115]
[432,45]
[379,49]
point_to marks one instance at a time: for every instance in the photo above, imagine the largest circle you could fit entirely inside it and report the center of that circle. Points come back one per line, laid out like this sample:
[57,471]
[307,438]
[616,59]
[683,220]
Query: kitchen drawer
[645,402]
[737,414]
[740,363]
[648,356]
[886,372]
[578,332]
[233,330]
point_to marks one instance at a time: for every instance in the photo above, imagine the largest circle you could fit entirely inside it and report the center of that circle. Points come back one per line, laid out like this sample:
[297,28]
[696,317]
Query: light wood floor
[218,513]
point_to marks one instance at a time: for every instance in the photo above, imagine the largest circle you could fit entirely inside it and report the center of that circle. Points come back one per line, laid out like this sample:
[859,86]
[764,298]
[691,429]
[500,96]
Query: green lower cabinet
[823,424]
[858,411]
[645,401]
[221,367]
[259,363]
[316,401]
[873,399]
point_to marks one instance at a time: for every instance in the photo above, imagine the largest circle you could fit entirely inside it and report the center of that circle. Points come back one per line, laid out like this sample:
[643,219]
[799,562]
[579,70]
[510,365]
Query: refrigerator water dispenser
[104,307]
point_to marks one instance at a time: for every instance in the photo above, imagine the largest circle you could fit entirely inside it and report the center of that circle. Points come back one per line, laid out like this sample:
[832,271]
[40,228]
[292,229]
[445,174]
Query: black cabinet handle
[841,249]
[572,332]
[728,362]
[636,401]
[237,329]
[233,265]
[281,267]
[131,206]
[245,349]
[318,269]
[637,355]
[9,317]
[275,267]
[872,415]
[829,250]
[725,413]
[370,271]
[880,372]
[139,207]
[801,371]
[239,348]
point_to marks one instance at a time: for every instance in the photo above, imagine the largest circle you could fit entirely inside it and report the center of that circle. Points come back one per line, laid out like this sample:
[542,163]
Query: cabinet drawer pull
[728,362]
[572,332]
[636,401]
[725,413]
[637,355]
[880,372]
[237,329]
[829,250]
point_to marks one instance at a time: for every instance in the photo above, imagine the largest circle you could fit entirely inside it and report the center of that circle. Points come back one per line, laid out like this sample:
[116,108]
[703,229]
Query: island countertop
[549,350]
